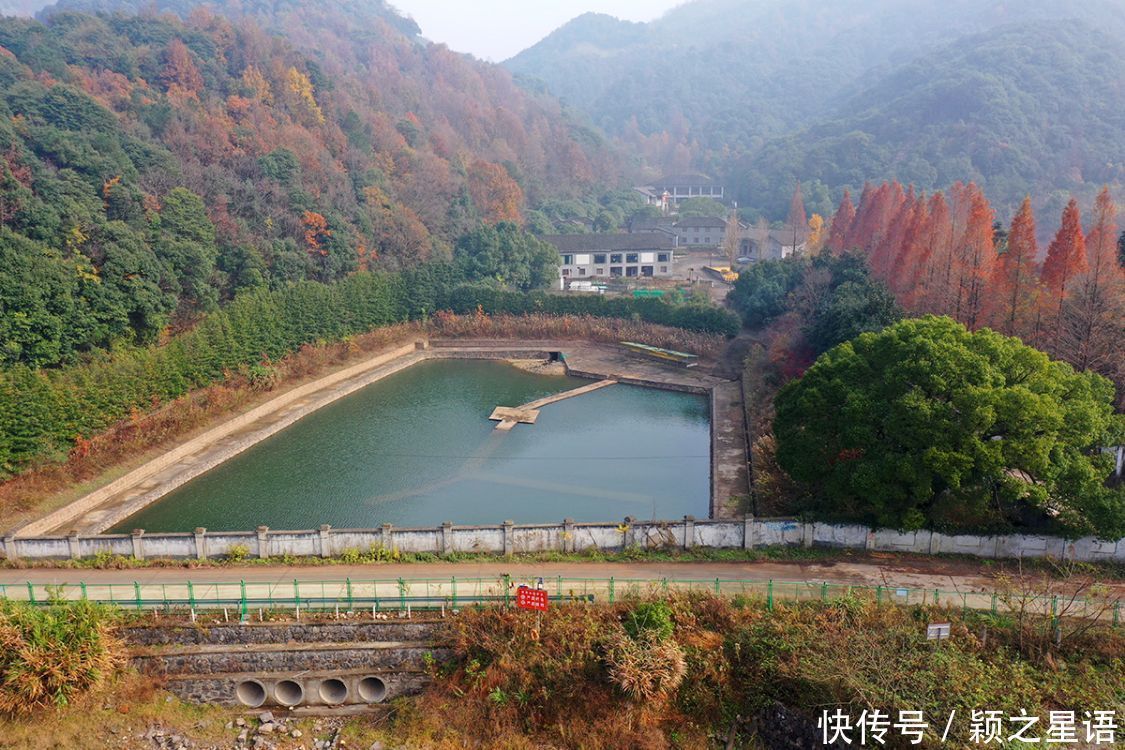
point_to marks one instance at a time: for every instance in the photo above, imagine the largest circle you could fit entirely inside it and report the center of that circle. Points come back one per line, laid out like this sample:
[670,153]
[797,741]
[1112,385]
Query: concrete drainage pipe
[250,693]
[332,691]
[288,693]
[371,689]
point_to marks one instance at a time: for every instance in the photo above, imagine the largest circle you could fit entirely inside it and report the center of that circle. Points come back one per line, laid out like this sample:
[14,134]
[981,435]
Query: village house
[603,256]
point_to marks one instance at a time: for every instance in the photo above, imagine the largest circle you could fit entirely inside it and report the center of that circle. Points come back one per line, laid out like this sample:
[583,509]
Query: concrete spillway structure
[508,417]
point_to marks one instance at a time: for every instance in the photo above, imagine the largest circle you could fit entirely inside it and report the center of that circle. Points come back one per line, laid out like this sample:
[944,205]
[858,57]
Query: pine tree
[841,224]
[1013,279]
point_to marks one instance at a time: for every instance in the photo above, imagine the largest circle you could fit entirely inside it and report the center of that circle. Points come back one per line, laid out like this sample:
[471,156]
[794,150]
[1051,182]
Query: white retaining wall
[509,538]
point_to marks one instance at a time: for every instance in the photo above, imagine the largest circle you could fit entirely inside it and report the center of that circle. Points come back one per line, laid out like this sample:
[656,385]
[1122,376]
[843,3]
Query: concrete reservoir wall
[509,538]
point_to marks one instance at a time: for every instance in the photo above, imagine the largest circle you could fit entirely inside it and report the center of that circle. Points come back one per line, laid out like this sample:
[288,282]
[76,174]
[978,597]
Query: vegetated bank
[693,671]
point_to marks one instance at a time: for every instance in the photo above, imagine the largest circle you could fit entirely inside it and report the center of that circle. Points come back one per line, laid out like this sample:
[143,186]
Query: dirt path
[947,575]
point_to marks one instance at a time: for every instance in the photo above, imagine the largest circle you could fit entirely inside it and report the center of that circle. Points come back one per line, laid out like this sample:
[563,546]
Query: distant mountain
[1031,108]
[711,85]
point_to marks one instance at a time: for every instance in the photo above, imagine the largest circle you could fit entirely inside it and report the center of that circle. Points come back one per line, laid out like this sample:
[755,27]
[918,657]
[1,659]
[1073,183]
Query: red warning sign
[529,598]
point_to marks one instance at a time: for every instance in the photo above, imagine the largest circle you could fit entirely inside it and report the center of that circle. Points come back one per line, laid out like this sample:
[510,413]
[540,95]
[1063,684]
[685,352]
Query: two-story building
[675,189]
[778,244]
[701,231]
[604,256]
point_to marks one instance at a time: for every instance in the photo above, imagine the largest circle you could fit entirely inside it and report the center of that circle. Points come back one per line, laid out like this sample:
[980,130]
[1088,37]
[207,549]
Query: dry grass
[576,327]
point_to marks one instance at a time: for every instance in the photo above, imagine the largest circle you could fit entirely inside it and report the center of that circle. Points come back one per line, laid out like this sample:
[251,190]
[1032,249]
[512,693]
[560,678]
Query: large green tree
[926,422]
[508,254]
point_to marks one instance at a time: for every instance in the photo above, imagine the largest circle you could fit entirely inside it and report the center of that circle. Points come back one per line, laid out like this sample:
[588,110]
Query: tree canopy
[507,254]
[929,423]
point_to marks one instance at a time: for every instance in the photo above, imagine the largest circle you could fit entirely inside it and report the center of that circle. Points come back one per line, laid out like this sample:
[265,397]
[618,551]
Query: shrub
[650,618]
[51,655]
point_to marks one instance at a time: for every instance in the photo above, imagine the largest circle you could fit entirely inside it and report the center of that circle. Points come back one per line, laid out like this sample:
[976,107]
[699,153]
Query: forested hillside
[765,92]
[151,167]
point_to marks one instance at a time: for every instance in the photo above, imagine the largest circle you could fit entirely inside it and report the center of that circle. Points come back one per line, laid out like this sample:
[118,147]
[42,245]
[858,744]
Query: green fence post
[375,595]
[164,595]
[453,590]
[191,594]
[611,589]
[1054,611]
[935,597]
[296,594]
[769,595]
[401,594]
[137,592]
[30,592]
[878,594]
[994,604]
[558,586]
[506,581]
[242,600]
[3,591]
[82,586]
[664,586]
[1117,613]
[717,587]
[351,600]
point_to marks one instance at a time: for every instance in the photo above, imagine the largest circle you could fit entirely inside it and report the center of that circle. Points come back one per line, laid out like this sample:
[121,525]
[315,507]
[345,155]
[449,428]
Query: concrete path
[895,571]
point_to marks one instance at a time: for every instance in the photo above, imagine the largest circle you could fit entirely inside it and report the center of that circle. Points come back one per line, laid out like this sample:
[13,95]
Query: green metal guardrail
[432,593]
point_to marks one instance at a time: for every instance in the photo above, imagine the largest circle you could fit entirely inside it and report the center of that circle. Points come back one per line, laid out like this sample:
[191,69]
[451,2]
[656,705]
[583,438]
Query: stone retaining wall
[509,538]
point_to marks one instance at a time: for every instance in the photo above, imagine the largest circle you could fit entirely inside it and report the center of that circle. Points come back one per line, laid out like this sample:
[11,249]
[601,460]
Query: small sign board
[937,631]
[529,598]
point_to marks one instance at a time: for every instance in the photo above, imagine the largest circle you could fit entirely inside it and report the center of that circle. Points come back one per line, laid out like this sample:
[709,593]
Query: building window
[662,257]
[615,258]
[581,271]
[615,271]
[600,272]
[599,258]
[568,260]
[646,271]
[566,272]
[631,258]
[707,240]
[631,271]
[664,269]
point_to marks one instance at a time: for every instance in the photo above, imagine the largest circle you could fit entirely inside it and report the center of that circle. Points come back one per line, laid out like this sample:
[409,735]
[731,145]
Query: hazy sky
[497,29]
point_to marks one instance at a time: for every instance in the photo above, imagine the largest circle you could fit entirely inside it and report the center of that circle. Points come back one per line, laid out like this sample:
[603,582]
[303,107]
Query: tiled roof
[590,243]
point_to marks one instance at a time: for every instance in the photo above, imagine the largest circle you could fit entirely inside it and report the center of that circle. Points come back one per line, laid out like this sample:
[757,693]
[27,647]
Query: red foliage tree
[977,256]
[1013,276]
[841,223]
[1066,258]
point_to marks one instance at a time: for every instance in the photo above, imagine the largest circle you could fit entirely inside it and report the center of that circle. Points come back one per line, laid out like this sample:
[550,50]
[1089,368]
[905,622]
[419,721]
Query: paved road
[915,573]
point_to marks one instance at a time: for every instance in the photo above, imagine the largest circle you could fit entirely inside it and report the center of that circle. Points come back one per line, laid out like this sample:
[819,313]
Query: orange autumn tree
[977,255]
[1093,321]
[841,223]
[1066,258]
[1013,276]
[495,194]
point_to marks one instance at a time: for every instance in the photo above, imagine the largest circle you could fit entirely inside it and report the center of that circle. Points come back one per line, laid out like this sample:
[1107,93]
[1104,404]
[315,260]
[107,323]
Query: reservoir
[417,449]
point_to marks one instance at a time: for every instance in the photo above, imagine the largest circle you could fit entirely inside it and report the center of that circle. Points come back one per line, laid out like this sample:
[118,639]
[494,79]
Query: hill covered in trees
[1018,97]
[152,166]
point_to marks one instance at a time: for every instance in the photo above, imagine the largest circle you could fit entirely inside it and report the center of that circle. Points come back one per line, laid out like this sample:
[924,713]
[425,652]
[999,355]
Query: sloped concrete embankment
[303,666]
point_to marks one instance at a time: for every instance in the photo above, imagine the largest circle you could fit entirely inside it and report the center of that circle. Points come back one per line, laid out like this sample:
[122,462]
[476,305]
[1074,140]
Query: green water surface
[417,449]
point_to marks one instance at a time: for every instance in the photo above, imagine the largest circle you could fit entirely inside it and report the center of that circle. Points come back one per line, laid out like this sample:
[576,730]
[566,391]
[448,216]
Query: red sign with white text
[529,598]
